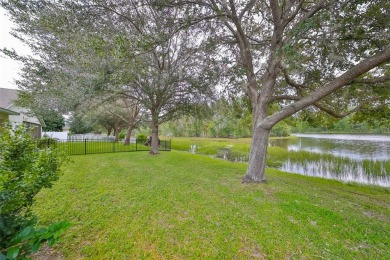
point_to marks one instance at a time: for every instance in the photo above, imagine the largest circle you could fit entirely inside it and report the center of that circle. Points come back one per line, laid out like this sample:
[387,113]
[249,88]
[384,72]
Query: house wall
[30,121]
[3,118]
[34,129]
[23,117]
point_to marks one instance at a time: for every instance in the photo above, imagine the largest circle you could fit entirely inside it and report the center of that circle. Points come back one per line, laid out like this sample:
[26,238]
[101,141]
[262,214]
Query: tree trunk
[109,131]
[116,133]
[128,134]
[257,156]
[155,140]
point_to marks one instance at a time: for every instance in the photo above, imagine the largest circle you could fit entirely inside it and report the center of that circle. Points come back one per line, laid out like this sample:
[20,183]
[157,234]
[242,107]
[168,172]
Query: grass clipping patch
[179,205]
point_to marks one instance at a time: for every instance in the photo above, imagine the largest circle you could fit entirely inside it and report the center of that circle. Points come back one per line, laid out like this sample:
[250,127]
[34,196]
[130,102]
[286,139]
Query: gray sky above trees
[9,68]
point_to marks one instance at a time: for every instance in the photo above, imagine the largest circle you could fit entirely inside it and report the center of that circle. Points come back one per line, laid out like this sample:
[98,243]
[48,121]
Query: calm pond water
[357,147]
[356,158]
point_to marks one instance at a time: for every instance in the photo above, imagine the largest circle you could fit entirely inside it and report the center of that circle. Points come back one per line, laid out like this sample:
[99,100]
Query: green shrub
[142,138]
[24,170]
[280,130]
[46,142]
[122,135]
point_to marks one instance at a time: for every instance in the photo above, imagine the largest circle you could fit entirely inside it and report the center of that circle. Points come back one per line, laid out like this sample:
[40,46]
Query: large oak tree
[121,48]
[321,55]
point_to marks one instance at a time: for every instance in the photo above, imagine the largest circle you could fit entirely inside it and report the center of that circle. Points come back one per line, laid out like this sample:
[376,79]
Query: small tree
[24,171]
[116,113]
[80,125]
[54,121]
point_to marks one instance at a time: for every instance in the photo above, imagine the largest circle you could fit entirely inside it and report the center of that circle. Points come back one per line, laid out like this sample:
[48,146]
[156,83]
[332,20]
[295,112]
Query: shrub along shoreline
[179,205]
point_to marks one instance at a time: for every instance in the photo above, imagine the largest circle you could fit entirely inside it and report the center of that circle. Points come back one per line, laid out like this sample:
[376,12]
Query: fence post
[113,146]
[136,144]
[85,146]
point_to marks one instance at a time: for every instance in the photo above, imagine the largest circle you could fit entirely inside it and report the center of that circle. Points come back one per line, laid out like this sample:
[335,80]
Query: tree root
[247,179]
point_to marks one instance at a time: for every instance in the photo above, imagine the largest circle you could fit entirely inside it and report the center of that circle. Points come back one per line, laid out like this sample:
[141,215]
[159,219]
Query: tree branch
[372,80]
[309,13]
[247,7]
[337,114]
[285,97]
[290,81]
[288,19]
[337,83]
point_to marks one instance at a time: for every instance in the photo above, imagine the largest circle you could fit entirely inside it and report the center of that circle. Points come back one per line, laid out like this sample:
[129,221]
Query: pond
[349,158]
[363,158]
[356,147]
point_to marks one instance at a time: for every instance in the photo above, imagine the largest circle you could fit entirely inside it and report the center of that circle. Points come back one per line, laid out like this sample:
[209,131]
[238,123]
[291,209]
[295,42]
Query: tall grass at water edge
[330,167]
[302,162]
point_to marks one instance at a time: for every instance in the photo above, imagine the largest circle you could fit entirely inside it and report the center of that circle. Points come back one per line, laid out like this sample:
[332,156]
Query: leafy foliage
[356,123]
[30,239]
[54,122]
[24,171]
[223,118]
[46,142]
[280,130]
[80,125]
[142,138]
[122,135]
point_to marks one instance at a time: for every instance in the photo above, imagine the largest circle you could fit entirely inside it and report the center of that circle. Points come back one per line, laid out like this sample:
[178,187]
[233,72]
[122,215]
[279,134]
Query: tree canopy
[130,48]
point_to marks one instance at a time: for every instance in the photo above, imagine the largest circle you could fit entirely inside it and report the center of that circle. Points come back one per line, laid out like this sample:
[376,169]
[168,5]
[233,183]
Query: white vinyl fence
[90,137]
[56,135]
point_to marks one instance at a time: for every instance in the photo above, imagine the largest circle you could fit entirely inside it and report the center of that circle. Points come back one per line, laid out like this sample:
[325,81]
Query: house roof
[8,112]
[7,97]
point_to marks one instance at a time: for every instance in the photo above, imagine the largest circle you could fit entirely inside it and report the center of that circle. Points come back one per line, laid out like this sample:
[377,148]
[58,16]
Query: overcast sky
[9,69]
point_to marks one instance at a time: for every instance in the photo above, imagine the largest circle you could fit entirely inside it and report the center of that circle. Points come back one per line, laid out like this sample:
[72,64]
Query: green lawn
[210,146]
[181,206]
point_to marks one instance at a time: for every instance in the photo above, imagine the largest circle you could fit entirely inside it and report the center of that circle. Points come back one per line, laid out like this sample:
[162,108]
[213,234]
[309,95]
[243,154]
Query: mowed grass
[178,205]
[210,146]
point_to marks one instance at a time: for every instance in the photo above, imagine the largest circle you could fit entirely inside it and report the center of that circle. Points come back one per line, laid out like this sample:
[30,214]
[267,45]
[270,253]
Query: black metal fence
[89,146]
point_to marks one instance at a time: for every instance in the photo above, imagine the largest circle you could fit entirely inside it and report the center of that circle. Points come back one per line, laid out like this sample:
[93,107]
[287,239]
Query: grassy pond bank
[325,165]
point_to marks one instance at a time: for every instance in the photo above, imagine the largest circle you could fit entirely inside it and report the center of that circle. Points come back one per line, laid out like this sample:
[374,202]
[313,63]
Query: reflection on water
[357,147]
[357,158]
[354,172]
[193,148]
